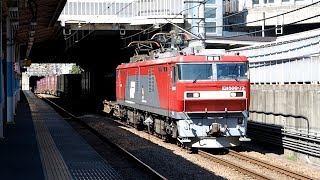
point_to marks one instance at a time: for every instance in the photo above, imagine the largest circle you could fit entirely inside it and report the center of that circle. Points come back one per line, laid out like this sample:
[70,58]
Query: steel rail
[153,172]
[230,164]
[267,165]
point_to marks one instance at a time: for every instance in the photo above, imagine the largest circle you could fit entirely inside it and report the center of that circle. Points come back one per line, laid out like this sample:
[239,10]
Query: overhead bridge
[81,18]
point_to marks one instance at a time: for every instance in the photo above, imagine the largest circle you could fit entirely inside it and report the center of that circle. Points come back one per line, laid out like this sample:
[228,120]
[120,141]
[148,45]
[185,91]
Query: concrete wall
[297,99]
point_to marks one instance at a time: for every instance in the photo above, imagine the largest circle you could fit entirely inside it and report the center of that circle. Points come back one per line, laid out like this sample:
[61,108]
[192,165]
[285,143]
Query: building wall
[298,100]
[300,104]
[214,17]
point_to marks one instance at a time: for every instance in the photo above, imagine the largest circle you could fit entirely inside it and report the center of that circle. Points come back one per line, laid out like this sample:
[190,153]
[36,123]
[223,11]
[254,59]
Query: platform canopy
[35,27]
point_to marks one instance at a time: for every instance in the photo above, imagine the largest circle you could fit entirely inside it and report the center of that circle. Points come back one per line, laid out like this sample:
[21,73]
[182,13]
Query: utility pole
[198,22]
[202,23]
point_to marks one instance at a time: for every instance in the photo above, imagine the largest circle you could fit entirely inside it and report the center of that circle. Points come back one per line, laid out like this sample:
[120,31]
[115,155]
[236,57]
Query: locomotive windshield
[215,71]
[230,71]
[194,71]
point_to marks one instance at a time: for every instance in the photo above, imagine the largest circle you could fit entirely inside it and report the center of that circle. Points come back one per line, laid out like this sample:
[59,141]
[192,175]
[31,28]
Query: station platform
[41,145]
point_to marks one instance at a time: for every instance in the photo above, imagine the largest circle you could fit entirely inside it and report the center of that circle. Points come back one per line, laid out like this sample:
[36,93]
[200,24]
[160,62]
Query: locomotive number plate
[233,88]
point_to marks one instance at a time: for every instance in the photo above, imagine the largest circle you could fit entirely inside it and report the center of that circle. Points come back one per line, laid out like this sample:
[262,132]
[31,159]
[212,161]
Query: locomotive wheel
[192,150]
[178,143]
[139,127]
[169,139]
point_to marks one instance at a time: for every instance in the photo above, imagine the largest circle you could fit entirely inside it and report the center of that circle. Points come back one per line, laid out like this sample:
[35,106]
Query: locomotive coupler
[215,129]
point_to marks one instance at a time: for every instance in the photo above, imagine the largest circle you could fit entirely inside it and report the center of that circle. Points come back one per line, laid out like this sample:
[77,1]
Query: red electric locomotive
[190,94]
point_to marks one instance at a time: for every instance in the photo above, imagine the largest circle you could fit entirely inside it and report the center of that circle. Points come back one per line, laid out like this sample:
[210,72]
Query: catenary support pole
[202,22]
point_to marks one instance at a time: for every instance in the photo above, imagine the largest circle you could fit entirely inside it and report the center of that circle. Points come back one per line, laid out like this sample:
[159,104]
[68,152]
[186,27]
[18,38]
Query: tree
[75,69]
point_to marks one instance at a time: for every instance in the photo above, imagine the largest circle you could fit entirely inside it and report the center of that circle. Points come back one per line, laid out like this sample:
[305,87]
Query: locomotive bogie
[134,117]
[160,126]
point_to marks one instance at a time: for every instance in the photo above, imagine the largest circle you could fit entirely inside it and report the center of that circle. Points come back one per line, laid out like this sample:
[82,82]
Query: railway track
[243,157]
[267,165]
[146,168]
[243,169]
[232,165]
[246,171]
[250,172]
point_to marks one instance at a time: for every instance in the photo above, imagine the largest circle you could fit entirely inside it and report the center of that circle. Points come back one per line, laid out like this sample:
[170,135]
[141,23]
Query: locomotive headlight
[236,94]
[196,95]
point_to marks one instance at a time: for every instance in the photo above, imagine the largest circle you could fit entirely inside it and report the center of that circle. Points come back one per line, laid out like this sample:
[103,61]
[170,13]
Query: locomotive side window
[173,75]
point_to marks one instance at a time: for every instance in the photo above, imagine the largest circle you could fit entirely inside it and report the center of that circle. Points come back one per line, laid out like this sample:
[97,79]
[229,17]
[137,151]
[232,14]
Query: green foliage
[292,157]
[75,70]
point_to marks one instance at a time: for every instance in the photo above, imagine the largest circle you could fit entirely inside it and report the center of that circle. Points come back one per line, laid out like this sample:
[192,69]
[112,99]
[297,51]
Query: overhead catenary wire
[147,30]
[169,22]
[107,7]
[232,25]
[295,22]
[263,19]
[144,30]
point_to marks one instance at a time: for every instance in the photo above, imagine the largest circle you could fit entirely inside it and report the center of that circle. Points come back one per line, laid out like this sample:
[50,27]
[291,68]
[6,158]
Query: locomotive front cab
[205,83]
[213,101]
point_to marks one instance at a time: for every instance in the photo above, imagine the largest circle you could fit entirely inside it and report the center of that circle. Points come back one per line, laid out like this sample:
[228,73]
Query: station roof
[35,22]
